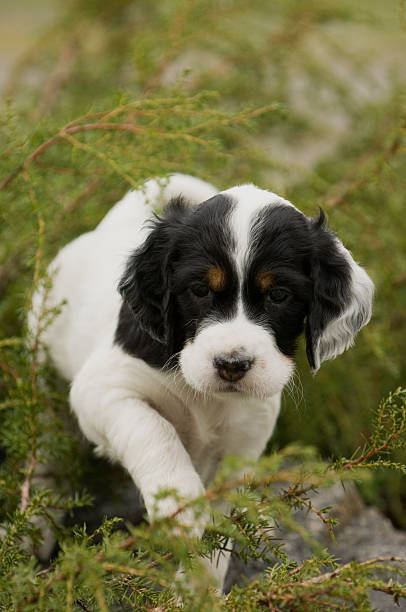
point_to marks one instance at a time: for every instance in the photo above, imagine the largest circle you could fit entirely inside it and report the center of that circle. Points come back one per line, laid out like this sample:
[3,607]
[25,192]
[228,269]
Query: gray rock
[363,533]
[367,536]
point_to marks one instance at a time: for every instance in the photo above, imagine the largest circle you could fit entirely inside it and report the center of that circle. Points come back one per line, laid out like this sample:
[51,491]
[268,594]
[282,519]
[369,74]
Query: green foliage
[138,569]
[274,93]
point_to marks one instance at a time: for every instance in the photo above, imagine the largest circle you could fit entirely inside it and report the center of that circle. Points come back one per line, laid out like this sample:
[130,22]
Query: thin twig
[333,574]
[310,506]
[6,368]
[374,451]
[25,488]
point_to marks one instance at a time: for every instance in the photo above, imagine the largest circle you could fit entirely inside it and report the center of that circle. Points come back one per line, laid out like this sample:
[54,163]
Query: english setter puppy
[179,330]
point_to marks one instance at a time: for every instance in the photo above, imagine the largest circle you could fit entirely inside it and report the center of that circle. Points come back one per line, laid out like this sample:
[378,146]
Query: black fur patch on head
[166,286]
[281,249]
[310,277]
[205,243]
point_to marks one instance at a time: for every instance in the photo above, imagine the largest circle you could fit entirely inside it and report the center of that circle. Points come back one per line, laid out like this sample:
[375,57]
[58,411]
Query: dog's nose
[232,367]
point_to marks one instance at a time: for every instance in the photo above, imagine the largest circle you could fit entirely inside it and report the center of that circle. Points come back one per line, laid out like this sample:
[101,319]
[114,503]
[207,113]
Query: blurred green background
[334,72]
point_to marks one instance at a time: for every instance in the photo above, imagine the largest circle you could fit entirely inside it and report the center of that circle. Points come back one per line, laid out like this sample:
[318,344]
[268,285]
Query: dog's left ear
[342,297]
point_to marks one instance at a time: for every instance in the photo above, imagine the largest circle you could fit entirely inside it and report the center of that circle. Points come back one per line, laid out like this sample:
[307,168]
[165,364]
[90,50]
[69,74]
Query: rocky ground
[363,533]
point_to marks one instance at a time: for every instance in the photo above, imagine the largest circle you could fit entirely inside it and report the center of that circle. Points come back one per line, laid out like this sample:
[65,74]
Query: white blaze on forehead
[248,201]
[271,369]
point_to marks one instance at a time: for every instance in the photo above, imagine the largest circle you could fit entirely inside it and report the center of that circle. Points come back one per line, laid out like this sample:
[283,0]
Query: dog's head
[227,287]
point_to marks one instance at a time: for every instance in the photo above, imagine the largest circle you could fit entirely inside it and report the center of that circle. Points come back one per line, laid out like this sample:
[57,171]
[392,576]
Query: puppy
[186,362]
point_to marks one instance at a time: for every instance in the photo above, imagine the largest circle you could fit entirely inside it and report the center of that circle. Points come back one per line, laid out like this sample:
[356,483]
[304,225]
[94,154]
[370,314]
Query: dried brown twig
[81,124]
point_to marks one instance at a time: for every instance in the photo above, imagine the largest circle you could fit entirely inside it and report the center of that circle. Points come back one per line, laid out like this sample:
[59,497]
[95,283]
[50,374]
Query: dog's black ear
[342,297]
[145,285]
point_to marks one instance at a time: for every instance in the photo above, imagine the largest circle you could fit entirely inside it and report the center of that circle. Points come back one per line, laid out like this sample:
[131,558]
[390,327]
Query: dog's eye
[200,290]
[278,295]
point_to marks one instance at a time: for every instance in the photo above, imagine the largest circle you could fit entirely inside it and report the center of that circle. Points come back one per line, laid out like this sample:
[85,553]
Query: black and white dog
[188,363]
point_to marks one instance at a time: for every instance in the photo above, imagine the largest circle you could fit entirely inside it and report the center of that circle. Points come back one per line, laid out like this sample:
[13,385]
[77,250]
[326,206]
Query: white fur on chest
[209,427]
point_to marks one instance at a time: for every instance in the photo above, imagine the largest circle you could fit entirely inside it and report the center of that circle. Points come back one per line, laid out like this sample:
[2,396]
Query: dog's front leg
[132,432]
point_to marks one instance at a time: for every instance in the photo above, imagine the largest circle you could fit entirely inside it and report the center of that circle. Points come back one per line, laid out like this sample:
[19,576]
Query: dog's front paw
[176,500]
[216,569]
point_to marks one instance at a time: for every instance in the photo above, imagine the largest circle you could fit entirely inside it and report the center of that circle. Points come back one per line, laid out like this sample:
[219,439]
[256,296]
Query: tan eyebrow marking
[264,280]
[217,278]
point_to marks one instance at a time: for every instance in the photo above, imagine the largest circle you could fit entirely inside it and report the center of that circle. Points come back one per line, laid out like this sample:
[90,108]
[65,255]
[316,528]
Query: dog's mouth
[231,388]
[234,387]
